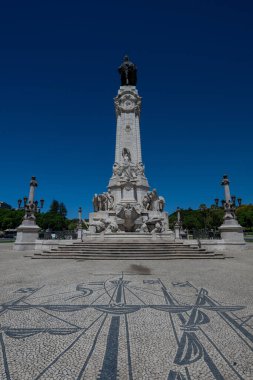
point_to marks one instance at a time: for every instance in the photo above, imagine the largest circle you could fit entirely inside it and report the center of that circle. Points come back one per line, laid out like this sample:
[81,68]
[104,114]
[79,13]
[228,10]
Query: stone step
[124,243]
[131,251]
[135,254]
[148,246]
[127,251]
[156,257]
[128,246]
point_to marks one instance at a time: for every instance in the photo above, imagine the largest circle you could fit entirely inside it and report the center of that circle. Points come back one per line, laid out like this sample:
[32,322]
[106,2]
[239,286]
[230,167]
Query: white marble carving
[129,203]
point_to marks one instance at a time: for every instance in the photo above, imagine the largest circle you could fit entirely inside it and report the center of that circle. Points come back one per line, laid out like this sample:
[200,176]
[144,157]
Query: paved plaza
[169,320]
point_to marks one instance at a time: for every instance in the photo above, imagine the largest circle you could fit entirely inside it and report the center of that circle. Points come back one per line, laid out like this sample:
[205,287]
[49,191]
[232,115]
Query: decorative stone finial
[33,182]
[225,180]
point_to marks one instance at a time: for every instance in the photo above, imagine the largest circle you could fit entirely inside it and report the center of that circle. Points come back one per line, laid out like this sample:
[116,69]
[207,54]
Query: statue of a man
[95,203]
[128,73]
[140,168]
[110,199]
[145,202]
[126,155]
[161,203]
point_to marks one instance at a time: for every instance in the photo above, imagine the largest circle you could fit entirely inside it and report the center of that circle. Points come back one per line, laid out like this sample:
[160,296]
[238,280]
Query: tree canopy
[212,218]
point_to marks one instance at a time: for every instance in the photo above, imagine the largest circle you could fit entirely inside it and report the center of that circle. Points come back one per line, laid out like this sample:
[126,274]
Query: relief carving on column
[128,102]
[128,170]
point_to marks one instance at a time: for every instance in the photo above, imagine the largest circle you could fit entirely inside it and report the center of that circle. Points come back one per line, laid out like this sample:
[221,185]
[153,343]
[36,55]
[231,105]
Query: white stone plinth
[177,231]
[79,233]
[129,236]
[232,232]
[27,233]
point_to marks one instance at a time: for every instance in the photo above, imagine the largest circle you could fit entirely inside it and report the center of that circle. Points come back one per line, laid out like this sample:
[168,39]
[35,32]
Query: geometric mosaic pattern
[124,327]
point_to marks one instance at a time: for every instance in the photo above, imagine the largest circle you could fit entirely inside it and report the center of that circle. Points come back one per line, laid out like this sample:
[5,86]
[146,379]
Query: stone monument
[129,206]
[231,231]
[27,232]
[178,225]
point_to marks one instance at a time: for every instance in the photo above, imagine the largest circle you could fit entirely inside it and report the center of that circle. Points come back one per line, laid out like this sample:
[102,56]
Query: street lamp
[233,197]
[32,206]
[178,224]
[80,217]
[28,231]
[231,231]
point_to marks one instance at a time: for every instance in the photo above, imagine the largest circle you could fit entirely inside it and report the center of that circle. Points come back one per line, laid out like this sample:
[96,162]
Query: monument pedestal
[232,232]
[27,233]
[177,231]
[125,237]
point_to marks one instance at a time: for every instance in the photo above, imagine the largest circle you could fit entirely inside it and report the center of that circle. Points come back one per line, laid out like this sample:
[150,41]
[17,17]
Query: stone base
[128,236]
[27,233]
[232,232]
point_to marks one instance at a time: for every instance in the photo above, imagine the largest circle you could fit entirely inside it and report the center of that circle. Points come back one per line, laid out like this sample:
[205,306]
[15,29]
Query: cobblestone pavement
[170,320]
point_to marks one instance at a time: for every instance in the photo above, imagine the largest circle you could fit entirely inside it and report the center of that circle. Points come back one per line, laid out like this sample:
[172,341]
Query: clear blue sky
[58,77]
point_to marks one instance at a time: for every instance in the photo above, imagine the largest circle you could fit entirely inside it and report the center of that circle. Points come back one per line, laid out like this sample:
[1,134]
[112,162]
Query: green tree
[54,207]
[245,216]
[10,218]
[49,220]
[62,210]
[55,219]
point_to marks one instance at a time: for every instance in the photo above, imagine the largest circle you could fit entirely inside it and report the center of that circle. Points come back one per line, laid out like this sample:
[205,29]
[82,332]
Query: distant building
[5,205]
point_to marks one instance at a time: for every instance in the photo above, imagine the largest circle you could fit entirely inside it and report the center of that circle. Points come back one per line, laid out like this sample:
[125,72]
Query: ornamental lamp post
[80,217]
[239,200]
[35,207]
[27,232]
[231,231]
[178,224]
[79,227]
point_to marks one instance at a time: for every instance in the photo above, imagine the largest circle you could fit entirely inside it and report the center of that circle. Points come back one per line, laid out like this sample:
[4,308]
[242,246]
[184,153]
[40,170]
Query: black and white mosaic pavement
[124,326]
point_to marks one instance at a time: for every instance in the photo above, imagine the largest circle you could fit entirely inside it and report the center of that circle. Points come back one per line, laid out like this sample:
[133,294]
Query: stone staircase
[125,250]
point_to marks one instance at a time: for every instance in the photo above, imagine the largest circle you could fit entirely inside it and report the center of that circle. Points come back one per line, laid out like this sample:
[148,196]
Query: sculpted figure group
[103,202]
[128,170]
[151,201]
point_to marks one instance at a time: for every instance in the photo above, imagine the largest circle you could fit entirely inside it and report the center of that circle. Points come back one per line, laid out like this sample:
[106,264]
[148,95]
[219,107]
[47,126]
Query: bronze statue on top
[128,73]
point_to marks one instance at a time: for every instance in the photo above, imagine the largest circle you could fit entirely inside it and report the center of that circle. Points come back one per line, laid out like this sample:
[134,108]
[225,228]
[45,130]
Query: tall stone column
[33,185]
[225,183]
[129,205]
[79,228]
[178,225]
[128,182]
[28,231]
[231,231]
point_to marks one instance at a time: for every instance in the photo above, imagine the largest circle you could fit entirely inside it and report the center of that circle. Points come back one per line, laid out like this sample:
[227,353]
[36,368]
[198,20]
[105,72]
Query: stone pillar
[33,184]
[79,228]
[128,182]
[178,223]
[28,231]
[231,231]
